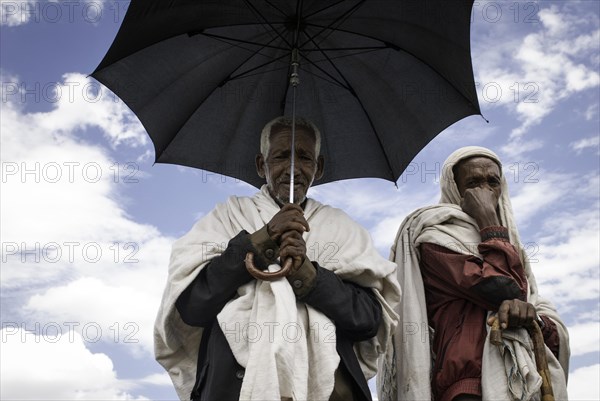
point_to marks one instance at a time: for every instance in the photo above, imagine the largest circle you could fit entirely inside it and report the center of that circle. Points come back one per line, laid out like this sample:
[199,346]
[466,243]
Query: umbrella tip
[485,119]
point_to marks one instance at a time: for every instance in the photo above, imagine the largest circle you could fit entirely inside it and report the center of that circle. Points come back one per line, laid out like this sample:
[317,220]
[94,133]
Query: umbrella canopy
[379,78]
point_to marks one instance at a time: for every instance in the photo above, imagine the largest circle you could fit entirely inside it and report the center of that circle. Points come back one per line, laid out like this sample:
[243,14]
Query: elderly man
[314,335]
[458,262]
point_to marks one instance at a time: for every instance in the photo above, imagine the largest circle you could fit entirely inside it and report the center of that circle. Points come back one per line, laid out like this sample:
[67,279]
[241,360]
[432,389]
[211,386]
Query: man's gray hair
[265,135]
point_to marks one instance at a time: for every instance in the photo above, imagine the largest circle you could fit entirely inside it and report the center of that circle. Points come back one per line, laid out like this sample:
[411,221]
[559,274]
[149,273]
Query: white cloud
[579,78]
[80,239]
[122,314]
[589,315]
[584,338]
[467,132]
[78,103]
[14,13]
[585,143]
[591,111]
[156,379]
[147,155]
[530,76]
[520,146]
[567,257]
[378,205]
[57,187]
[56,368]
[583,383]
[554,22]
[536,190]
[362,198]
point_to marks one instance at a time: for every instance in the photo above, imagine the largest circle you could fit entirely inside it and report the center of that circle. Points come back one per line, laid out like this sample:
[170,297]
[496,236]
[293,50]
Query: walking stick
[539,351]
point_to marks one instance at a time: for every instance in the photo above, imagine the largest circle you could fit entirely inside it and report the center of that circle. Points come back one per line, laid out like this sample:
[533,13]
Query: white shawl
[406,370]
[288,348]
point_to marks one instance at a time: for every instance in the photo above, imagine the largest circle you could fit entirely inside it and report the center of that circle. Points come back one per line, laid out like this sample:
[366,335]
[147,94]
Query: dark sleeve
[486,282]
[353,309]
[216,283]
[550,333]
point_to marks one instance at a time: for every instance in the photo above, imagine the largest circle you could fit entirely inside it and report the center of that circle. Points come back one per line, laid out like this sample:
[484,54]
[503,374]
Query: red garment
[459,290]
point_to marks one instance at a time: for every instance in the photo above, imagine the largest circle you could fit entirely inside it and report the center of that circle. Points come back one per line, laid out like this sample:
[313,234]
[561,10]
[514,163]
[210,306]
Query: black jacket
[354,309]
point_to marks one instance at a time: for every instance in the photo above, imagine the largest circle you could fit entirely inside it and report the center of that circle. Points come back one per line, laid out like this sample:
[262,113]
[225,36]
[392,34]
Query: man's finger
[291,206]
[291,211]
[531,314]
[514,315]
[291,234]
[503,314]
[523,313]
[292,226]
[283,220]
[295,253]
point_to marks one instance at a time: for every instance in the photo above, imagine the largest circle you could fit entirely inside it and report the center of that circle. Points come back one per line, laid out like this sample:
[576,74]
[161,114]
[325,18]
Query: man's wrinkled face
[478,172]
[276,167]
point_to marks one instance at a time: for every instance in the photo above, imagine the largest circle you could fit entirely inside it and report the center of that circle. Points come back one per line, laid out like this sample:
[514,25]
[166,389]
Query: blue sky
[88,221]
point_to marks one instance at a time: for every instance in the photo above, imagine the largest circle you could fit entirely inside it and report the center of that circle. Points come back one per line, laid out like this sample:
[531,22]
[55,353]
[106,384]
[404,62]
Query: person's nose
[296,166]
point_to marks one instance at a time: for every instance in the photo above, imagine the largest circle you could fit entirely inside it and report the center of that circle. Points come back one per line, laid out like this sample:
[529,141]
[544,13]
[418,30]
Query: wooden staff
[539,351]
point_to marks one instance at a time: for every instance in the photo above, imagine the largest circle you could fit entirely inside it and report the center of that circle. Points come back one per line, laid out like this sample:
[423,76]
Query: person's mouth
[297,184]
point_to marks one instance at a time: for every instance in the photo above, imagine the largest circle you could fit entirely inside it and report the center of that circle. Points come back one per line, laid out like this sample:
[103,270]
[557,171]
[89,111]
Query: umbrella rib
[299,4]
[289,74]
[254,53]
[324,27]
[398,48]
[340,19]
[225,38]
[245,74]
[335,80]
[362,106]
[349,87]
[346,48]
[276,8]
[346,55]
[324,78]
[324,8]
[241,64]
[249,4]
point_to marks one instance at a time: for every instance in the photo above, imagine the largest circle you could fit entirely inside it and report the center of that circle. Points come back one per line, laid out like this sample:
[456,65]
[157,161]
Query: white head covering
[450,194]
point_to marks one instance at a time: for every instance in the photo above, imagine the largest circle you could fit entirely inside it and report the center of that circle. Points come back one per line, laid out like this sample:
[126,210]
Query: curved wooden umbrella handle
[266,276]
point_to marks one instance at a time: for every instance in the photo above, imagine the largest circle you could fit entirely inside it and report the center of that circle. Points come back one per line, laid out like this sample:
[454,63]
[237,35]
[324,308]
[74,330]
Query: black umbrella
[379,78]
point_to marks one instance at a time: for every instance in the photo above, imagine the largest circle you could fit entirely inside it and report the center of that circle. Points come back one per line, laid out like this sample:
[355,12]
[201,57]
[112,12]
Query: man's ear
[320,167]
[260,165]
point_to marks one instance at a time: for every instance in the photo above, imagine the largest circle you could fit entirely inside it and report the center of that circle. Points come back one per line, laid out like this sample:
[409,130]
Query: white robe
[288,348]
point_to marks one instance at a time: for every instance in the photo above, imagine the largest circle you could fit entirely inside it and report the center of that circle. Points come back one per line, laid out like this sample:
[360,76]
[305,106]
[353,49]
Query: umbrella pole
[287,266]
[294,81]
